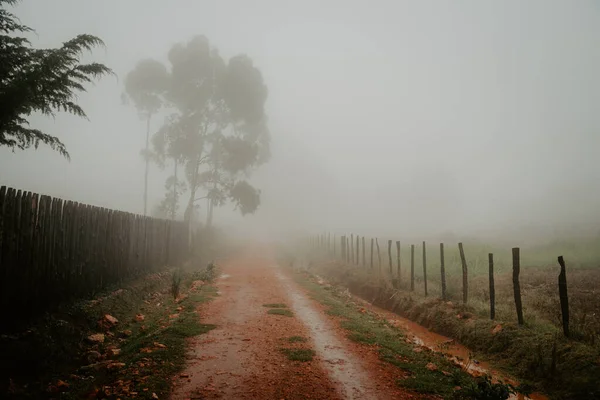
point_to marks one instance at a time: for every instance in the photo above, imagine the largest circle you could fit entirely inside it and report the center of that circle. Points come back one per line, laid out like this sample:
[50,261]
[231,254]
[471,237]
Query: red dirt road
[242,358]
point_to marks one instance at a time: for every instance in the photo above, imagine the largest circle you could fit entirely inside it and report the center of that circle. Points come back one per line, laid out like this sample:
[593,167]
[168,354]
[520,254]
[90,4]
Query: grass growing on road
[275,305]
[303,355]
[280,311]
[297,339]
[424,371]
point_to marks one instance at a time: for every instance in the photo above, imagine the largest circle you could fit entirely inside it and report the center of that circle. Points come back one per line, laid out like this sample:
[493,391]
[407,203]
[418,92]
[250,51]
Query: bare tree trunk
[211,203]
[189,211]
[209,219]
[147,164]
[174,205]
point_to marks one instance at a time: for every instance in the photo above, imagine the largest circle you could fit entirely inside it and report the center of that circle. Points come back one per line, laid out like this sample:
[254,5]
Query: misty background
[387,118]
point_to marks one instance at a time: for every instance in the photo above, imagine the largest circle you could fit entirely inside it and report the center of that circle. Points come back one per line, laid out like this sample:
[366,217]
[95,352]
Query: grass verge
[535,353]
[126,343]
[423,371]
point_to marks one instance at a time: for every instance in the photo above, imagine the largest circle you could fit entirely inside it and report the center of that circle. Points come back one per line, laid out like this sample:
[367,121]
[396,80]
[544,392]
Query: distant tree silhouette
[145,86]
[217,129]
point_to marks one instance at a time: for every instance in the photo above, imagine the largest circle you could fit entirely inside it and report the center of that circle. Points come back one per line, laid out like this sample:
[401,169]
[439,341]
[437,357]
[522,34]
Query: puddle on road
[353,381]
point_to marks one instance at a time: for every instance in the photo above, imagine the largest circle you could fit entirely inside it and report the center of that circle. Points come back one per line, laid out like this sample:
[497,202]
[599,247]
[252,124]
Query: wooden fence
[323,243]
[53,250]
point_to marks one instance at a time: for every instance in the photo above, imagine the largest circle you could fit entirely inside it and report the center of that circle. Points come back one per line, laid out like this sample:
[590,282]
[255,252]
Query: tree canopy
[145,86]
[217,128]
[39,80]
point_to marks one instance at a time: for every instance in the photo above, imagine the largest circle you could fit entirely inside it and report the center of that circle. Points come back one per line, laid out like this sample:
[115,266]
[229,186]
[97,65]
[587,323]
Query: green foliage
[483,389]
[525,351]
[303,355]
[218,127]
[169,205]
[280,311]
[275,305]
[367,328]
[145,85]
[39,80]
[297,339]
[245,197]
[46,352]
[209,274]
[176,283]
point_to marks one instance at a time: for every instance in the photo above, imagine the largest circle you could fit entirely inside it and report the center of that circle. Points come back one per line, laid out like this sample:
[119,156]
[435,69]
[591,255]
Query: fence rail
[52,250]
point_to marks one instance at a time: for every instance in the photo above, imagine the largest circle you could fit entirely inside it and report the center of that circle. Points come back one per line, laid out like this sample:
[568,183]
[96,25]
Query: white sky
[387,117]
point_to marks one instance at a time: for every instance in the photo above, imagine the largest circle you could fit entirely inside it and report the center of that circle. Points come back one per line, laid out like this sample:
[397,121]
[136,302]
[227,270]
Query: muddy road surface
[273,342]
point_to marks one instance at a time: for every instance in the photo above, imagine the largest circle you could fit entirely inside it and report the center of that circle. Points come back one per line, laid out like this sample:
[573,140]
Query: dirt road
[243,357]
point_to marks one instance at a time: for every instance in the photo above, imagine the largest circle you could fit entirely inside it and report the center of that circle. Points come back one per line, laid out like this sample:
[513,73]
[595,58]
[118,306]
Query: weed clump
[176,283]
[297,339]
[303,355]
[483,388]
[208,274]
[280,311]
[275,305]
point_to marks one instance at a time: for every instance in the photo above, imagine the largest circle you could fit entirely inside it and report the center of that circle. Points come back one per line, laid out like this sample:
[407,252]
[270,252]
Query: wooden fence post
[378,254]
[390,257]
[352,248]
[443,271]
[371,253]
[334,247]
[516,284]
[364,257]
[425,268]
[465,273]
[412,267]
[348,242]
[2,202]
[357,250]
[564,298]
[492,288]
[398,261]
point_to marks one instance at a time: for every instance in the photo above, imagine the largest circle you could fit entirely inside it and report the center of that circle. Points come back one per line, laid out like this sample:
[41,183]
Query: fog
[398,118]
